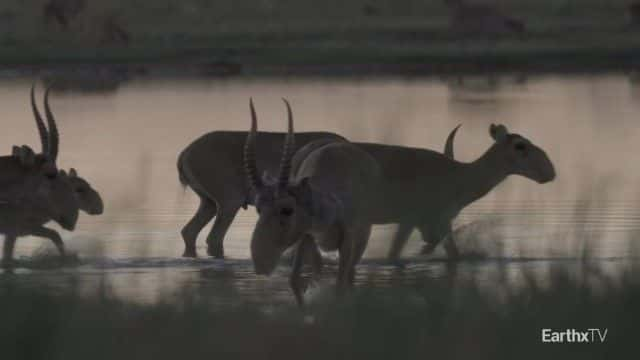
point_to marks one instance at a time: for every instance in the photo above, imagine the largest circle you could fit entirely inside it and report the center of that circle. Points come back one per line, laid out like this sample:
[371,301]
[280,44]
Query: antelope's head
[89,200]
[52,185]
[283,210]
[520,156]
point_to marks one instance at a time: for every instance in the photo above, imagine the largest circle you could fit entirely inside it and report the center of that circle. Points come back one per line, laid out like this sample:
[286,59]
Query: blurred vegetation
[287,32]
[436,318]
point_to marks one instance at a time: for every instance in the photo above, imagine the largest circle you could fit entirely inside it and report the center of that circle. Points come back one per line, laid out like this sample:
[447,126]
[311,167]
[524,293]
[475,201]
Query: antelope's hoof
[427,249]
[189,253]
[216,251]
[396,263]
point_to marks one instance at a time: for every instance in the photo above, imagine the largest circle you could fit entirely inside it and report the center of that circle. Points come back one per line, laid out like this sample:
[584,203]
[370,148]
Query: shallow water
[125,140]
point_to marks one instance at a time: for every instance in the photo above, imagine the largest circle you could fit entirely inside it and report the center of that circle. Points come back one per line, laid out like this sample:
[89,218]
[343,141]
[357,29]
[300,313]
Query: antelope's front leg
[295,280]
[7,253]
[51,235]
[400,239]
[351,250]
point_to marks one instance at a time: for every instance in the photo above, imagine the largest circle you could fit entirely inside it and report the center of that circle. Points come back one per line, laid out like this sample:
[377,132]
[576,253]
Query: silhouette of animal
[481,19]
[34,191]
[323,200]
[212,167]
[425,189]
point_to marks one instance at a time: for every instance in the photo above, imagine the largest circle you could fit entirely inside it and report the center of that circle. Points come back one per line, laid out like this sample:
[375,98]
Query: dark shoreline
[336,64]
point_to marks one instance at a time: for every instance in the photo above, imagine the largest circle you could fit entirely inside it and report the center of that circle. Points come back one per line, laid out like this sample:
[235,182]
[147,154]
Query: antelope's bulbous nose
[97,210]
[265,257]
[264,265]
[548,174]
[68,222]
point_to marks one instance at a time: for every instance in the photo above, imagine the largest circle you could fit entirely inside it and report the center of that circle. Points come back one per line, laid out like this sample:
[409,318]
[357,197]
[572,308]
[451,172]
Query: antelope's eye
[520,146]
[286,211]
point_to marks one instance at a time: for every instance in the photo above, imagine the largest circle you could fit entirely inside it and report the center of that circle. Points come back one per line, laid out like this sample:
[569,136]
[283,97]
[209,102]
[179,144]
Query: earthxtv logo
[587,336]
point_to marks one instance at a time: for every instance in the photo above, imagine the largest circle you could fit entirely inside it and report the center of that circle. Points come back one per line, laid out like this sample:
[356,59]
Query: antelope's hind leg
[206,211]
[226,213]
[433,234]
[51,235]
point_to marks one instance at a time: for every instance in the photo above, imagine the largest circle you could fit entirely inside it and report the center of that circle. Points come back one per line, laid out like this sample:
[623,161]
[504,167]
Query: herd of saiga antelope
[321,197]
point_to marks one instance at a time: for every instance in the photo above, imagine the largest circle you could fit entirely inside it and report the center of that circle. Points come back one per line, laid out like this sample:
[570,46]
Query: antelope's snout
[548,175]
[545,171]
[68,222]
[264,253]
[97,206]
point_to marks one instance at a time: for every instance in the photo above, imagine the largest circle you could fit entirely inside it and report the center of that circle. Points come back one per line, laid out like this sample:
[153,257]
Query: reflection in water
[126,141]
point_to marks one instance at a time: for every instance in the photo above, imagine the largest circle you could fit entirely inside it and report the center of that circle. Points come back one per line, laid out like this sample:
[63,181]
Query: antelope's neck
[481,176]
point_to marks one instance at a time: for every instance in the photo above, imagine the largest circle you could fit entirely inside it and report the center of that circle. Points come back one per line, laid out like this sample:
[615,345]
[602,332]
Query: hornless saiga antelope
[324,200]
[33,191]
[212,167]
[425,189]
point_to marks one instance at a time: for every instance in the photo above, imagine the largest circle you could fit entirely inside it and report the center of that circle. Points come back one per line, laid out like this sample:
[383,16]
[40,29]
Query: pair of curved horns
[250,166]
[49,139]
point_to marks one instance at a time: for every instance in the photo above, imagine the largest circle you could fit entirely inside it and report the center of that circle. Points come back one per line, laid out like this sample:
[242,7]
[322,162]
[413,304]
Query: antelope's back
[215,160]
[12,173]
[341,168]
[19,200]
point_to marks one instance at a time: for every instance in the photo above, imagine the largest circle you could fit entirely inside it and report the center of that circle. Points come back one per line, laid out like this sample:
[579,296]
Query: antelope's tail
[181,173]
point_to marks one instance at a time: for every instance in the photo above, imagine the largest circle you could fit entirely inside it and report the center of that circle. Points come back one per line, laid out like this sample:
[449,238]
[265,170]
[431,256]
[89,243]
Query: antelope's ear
[25,154]
[498,132]
[62,173]
[73,173]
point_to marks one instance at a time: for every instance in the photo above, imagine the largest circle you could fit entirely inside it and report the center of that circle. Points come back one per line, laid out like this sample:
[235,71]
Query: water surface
[126,141]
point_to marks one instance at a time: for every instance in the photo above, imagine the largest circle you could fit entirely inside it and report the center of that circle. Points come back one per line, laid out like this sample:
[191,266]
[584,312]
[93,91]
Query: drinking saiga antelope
[325,200]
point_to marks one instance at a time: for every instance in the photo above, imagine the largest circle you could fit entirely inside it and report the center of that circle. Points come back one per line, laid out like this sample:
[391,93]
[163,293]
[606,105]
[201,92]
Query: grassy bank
[285,36]
[435,319]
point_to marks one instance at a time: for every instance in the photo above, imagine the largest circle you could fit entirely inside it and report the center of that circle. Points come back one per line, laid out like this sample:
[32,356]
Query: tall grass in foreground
[437,319]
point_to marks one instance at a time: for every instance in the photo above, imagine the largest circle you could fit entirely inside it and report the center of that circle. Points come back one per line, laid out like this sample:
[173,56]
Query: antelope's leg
[316,260]
[51,235]
[295,280]
[449,244]
[226,213]
[400,239]
[7,252]
[351,251]
[206,211]
[434,233]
